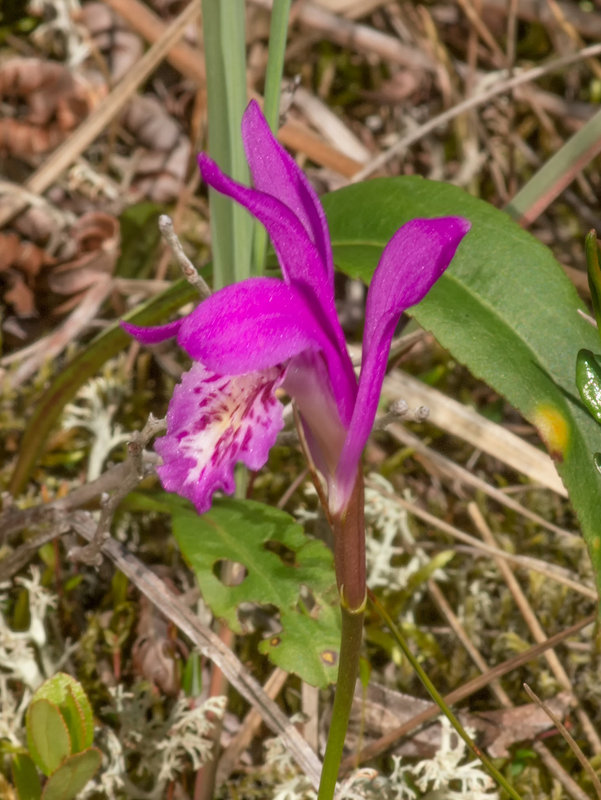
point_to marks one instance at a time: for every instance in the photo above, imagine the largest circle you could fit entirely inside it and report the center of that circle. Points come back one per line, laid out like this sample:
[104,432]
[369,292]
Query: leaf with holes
[246,552]
[504,308]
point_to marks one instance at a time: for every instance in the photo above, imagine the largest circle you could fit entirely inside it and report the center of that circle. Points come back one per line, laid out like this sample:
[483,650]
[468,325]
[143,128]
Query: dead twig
[104,113]
[479,99]
[187,267]
[91,553]
[568,737]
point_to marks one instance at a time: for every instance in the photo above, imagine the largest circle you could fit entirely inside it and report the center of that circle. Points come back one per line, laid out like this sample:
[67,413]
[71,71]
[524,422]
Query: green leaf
[72,775]
[26,778]
[140,238]
[225,56]
[278,559]
[588,381]
[68,696]
[504,308]
[47,735]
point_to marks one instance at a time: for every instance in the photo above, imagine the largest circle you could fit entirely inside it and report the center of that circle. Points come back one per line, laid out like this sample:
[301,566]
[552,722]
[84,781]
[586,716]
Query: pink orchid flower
[251,338]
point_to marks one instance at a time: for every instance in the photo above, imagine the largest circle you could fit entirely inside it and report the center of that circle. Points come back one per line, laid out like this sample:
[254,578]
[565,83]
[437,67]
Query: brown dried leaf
[20,262]
[48,102]
[162,165]
[39,224]
[384,710]
[19,295]
[502,728]
[119,45]
[155,650]
[94,243]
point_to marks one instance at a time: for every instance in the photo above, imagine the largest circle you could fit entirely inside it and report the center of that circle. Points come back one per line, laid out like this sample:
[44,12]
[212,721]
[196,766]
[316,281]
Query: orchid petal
[153,334]
[301,264]
[411,263]
[259,323]
[276,173]
[298,256]
[213,422]
[307,381]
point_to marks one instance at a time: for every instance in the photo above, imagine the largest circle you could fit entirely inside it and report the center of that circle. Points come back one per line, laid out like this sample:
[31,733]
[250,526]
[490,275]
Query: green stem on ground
[350,649]
[438,699]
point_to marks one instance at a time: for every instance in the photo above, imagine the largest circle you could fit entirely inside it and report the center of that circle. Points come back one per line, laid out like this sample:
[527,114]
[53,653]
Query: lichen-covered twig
[112,486]
[187,267]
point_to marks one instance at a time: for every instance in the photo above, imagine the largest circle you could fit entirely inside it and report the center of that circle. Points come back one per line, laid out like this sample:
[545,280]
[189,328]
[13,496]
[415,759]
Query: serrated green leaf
[26,778]
[72,775]
[68,696]
[278,559]
[307,645]
[47,735]
[504,308]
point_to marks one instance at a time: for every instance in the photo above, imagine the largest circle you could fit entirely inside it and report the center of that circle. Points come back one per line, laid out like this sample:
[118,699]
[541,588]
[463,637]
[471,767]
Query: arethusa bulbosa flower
[251,338]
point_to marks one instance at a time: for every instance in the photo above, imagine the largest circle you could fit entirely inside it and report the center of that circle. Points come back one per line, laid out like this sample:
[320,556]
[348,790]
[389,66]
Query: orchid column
[249,339]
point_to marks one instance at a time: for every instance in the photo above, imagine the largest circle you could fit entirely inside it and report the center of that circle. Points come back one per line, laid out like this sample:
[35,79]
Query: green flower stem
[438,699]
[350,648]
[349,558]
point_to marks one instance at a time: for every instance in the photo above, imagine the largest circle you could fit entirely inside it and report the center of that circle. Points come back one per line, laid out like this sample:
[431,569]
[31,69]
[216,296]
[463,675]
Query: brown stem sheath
[349,550]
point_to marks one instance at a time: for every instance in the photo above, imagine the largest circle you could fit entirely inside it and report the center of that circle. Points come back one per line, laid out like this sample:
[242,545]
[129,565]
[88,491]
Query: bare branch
[187,267]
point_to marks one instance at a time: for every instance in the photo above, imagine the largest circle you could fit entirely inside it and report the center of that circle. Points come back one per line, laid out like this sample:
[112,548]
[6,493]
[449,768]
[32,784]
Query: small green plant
[60,730]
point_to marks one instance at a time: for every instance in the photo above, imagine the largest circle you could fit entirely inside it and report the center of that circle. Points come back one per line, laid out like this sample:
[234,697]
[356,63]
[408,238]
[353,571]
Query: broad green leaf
[504,308]
[47,735]
[68,695]
[26,778]
[72,775]
[278,559]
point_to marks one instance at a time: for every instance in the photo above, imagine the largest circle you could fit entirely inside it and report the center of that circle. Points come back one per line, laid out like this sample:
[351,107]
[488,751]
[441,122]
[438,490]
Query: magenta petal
[154,334]
[260,323]
[248,326]
[212,423]
[276,173]
[299,258]
[411,263]
[302,267]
